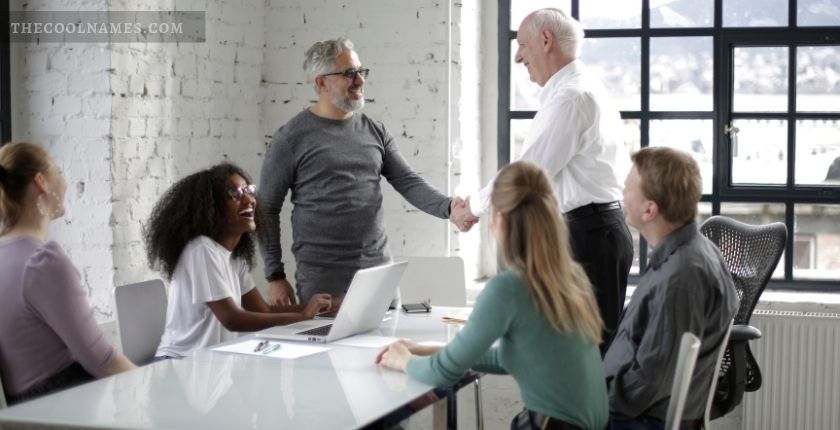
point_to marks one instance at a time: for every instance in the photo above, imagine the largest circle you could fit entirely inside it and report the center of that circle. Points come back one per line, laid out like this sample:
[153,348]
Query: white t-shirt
[206,272]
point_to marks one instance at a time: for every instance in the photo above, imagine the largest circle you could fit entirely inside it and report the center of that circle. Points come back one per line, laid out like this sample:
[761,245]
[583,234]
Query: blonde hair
[535,242]
[672,179]
[19,162]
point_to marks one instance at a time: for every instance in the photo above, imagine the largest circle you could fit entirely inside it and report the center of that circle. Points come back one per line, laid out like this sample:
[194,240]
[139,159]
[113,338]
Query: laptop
[366,302]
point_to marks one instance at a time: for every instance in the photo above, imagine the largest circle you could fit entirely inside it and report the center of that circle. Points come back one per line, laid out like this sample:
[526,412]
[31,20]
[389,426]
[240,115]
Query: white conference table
[338,389]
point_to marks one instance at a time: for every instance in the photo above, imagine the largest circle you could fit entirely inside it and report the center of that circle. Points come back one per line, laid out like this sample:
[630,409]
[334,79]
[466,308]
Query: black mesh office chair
[752,253]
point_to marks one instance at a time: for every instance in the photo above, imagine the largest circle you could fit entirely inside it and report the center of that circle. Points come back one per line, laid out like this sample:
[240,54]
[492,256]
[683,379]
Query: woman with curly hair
[542,312]
[201,236]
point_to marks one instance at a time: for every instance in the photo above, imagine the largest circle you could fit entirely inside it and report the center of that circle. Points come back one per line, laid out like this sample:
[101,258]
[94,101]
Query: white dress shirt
[576,137]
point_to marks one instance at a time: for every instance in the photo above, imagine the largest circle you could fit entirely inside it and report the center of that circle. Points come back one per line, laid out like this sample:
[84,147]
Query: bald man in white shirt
[576,137]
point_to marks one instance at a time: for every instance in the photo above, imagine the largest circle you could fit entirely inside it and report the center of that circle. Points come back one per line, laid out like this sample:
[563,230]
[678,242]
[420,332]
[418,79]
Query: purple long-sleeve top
[46,322]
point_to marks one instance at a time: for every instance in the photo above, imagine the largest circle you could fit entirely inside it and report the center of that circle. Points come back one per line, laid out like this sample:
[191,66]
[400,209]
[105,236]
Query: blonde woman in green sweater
[542,311]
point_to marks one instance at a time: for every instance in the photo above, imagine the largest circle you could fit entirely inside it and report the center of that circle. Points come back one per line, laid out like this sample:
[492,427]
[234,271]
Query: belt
[591,209]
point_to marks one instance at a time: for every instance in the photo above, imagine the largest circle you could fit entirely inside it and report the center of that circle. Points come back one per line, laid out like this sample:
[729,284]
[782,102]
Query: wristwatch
[279,276]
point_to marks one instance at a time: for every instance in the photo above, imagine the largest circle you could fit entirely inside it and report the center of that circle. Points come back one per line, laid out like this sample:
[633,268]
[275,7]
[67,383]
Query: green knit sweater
[558,375]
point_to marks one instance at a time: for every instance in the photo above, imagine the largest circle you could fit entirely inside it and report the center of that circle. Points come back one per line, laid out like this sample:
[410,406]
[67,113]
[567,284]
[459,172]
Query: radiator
[801,377]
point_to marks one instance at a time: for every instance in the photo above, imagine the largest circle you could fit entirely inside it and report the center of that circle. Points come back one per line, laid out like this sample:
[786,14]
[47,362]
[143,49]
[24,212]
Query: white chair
[721,352]
[689,347]
[442,281]
[141,318]
[439,279]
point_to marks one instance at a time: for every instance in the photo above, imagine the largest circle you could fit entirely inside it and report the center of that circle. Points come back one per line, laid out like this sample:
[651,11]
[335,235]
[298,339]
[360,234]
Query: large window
[751,88]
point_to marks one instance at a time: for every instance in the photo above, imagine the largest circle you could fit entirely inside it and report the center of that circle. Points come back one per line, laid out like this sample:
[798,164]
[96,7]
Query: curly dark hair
[192,207]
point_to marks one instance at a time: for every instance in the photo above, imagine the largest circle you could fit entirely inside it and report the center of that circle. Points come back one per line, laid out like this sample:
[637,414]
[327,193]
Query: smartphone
[416,308]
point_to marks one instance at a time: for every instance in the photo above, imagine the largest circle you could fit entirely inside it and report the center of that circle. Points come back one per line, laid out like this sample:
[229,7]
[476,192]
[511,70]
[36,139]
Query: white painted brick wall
[60,98]
[127,120]
[406,46]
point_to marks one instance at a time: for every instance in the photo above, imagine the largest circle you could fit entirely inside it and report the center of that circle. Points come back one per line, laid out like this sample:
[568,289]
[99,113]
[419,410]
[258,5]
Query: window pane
[611,13]
[760,79]
[681,73]
[816,245]
[818,152]
[523,92]
[617,61]
[755,13]
[760,154]
[634,268]
[818,78]
[691,136]
[632,136]
[757,214]
[704,211]
[519,9]
[518,131]
[695,13]
[817,12]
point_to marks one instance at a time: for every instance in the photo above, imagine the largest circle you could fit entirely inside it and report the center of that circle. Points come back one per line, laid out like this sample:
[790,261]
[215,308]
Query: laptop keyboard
[318,331]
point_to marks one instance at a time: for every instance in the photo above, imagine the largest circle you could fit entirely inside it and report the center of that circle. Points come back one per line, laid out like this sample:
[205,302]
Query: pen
[272,349]
[261,345]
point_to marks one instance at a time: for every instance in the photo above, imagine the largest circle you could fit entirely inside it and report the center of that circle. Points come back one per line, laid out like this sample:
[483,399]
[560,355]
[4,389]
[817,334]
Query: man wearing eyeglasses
[332,157]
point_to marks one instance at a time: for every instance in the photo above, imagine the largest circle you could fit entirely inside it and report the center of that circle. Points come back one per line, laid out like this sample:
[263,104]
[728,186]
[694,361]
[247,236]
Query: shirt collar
[671,243]
[556,80]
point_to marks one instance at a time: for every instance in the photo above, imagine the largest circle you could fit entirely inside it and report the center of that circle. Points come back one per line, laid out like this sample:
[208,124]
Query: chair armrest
[743,333]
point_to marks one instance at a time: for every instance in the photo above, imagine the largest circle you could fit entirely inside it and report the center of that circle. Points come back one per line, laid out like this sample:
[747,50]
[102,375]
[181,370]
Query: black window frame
[723,39]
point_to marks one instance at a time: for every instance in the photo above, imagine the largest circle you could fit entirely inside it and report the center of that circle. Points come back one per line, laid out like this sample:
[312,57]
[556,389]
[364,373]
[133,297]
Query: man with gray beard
[332,158]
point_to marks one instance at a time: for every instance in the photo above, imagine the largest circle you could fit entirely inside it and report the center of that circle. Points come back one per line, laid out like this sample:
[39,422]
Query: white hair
[568,33]
[320,57]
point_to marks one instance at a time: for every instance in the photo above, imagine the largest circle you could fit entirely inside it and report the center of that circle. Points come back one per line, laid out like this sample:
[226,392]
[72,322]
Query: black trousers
[602,244]
[70,376]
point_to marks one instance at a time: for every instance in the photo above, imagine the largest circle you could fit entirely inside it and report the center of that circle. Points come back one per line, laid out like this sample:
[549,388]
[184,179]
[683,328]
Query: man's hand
[461,215]
[280,293]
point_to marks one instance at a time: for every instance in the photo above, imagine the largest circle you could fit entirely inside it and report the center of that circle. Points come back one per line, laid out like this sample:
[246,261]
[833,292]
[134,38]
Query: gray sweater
[334,169]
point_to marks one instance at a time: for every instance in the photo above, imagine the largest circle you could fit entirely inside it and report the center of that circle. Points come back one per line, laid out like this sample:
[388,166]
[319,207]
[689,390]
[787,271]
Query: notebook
[366,302]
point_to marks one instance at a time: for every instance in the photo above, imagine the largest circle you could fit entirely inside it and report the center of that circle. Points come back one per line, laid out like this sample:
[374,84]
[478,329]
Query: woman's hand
[416,349]
[317,303]
[394,356]
[336,303]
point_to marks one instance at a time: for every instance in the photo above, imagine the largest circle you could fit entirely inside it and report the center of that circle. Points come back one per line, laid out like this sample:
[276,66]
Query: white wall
[125,121]
[61,99]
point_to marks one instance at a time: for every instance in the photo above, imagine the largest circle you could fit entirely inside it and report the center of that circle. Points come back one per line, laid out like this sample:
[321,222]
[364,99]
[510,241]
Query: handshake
[461,215]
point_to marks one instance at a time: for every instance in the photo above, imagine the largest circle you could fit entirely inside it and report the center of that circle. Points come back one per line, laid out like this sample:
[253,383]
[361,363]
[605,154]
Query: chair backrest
[707,418]
[440,279]
[752,253]
[141,318]
[687,357]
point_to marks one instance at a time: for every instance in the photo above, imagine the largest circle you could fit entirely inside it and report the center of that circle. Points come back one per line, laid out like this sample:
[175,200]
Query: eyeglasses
[351,73]
[238,193]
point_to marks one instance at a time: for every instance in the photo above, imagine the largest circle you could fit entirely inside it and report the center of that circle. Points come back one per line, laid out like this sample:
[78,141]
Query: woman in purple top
[49,339]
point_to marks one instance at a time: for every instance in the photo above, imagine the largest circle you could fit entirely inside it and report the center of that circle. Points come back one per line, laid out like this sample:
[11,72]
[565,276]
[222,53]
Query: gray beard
[346,104]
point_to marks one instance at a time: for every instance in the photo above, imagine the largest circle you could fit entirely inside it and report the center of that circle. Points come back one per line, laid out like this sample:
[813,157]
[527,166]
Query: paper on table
[457,318]
[285,349]
[366,341]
